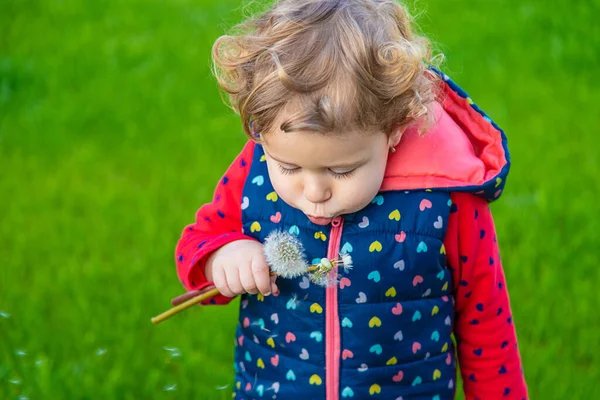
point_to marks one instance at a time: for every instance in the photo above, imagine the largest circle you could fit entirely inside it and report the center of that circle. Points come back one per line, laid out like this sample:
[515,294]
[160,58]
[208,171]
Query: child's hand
[239,267]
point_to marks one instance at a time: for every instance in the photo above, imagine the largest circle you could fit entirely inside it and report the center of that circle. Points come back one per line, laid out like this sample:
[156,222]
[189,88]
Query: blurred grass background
[112,134]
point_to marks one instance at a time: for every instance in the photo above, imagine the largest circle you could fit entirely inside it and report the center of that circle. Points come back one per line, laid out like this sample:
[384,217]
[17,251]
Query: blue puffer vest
[383,332]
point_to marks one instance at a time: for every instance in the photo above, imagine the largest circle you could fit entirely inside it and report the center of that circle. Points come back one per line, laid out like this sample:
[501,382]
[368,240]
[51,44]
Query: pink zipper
[332,319]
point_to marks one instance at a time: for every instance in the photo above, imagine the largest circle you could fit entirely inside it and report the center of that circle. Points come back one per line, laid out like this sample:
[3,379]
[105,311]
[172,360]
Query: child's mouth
[319,220]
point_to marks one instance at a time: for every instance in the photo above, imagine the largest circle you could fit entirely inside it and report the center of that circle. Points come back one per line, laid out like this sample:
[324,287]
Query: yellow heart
[255,227]
[263,158]
[392,361]
[320,235]
[374,389]
[498,181]
[260,297]
[374,322]
[428,190]
[238,385]
[315,380]
[316,308]
[272,196]
[469,100]
[375,246]
[445,287]
[395,215]
[437,374]
[435,310]
[443,249]
[260,364]
[271,342]
[445,347]
[391,292]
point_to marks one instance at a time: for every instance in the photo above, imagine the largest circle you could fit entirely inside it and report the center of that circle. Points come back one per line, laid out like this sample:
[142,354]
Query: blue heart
[260,389]
[318,336]
[374,276]
[347,248]
[478,352]
[417,381]
[422,248]
[291,304]
[416,316]
[225,180]
[378,199]
[294,230]
[346,323]
[347,392]
[316,261]
[440,276]
[258,180]
[435,336]
[261,323]
[376,348]
[290,376]
[247,357]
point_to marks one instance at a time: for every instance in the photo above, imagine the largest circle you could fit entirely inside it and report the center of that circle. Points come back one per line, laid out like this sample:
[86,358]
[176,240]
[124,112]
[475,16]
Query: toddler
[357,145]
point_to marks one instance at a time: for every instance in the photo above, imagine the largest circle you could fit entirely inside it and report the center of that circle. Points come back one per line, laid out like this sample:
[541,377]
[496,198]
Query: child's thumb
[274,288]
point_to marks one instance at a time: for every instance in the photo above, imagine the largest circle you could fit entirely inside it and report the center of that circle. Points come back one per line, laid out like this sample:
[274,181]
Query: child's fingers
[233,281]
[220,282]
[260,271]
[247,280]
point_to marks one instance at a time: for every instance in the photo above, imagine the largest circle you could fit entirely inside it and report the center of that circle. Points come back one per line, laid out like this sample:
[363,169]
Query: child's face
[327,175]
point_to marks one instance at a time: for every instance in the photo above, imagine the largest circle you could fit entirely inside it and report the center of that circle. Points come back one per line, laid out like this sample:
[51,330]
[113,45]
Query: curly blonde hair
[332,65]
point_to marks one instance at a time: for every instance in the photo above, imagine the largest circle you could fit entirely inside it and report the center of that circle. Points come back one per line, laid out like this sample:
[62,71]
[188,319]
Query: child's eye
[287,170]
[339,174]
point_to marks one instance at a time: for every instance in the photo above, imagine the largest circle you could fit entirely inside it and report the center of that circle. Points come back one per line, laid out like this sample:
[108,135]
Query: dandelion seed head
[285,254]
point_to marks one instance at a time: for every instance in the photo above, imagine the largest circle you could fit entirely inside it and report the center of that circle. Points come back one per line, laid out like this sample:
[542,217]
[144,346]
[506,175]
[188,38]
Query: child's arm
[487,345]
[217,223]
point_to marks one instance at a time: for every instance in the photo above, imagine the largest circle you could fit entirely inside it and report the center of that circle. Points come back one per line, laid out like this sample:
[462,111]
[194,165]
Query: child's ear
[395,135]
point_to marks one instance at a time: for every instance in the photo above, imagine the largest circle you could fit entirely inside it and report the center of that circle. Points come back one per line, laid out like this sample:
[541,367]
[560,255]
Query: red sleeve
[217,223]
[488,355]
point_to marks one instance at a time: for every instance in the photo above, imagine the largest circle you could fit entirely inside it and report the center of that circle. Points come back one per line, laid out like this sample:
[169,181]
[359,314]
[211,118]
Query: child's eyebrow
[351,165]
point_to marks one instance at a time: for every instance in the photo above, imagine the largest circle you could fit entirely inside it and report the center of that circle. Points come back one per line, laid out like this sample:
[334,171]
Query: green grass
[112,134]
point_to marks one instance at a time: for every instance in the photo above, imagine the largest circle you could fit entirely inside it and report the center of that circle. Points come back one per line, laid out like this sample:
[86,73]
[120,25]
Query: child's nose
[316,191]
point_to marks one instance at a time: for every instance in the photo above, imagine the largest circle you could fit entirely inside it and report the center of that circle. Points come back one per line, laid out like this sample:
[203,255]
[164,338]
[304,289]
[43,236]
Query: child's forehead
[313,149]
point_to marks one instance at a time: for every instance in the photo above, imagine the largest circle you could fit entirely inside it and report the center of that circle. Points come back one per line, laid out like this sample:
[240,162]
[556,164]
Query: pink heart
[398,377]
[344,282]
[397,310]
[275,360]
[449,359]
[445,299]
[241,341]
[400,237]
[246,322]
[290,337]
[248,387]
[424,204]
[347,354]
[418,279]
[416,347]
[276,218]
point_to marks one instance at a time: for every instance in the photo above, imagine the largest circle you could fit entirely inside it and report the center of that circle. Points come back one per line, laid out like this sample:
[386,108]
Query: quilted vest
[383,332]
